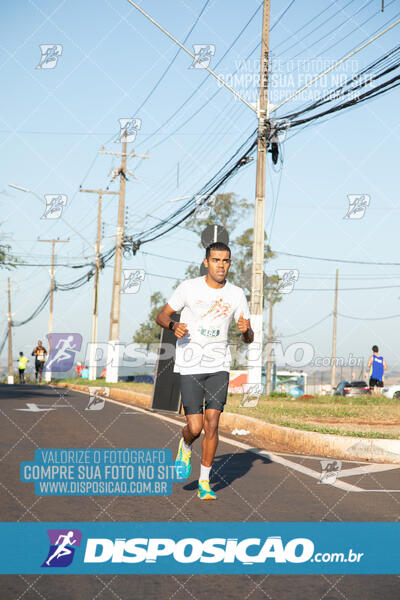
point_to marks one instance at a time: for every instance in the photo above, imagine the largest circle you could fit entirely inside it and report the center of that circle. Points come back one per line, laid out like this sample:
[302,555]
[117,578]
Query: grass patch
[361,434]
[368,416]
[361,416]
[141,388]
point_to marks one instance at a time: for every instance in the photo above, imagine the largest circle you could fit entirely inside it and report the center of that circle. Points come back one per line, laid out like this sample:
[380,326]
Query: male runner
[22,361]
[377,364]
[40,354]
[202,355]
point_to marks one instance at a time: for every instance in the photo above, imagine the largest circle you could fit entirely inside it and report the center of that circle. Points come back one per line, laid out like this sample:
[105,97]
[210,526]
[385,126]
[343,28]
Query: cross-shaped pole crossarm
[102,192]
[127,154]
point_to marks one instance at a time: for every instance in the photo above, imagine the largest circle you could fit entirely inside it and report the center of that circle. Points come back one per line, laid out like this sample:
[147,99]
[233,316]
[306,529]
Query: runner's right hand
[181,330]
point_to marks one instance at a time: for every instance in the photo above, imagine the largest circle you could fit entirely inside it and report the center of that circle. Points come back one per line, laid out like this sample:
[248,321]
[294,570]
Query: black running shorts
[39,364]
[375,382]
[210,387]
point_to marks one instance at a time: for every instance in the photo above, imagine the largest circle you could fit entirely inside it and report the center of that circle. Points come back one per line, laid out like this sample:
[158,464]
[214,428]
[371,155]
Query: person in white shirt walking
[202,358]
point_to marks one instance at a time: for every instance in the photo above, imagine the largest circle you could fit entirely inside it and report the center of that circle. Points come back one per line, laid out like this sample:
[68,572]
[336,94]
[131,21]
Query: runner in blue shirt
[377,365]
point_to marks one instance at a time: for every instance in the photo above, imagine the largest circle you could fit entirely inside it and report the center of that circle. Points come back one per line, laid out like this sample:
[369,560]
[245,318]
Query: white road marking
[371,468]
[277,458]
[32,407]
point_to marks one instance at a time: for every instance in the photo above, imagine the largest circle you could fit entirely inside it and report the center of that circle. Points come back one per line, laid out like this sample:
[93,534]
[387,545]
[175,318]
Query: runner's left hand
[243,324]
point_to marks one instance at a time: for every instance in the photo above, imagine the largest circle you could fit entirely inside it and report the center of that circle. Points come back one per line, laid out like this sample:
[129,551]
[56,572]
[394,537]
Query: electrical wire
[338,260]
[307,328]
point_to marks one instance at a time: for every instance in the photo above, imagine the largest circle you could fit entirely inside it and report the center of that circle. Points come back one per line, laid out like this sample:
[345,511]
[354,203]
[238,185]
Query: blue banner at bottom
[192,548]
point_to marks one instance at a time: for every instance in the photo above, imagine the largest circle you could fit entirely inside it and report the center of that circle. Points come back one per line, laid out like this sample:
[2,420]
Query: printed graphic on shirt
[218,310]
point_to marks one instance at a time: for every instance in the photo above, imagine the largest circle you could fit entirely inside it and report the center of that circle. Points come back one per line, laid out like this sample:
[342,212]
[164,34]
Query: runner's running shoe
[205,492]
[183,461]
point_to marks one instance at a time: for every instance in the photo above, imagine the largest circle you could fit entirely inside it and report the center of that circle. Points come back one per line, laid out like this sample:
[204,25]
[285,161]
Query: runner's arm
[384,365]
[164,318]
[369,362]
[245,329]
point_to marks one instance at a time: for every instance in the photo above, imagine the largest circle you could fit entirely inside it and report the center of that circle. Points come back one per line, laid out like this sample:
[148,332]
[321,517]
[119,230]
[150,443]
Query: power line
[334,29]
[338,260]
[369,318]
[160,79]
[308,328]
[317,28]
[192,94]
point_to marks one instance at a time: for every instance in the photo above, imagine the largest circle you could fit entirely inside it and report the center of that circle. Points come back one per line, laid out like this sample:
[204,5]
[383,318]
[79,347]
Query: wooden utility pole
[257,276]
[270,337]
[10,359]
[112,370]
[333,367]
[53,243]
[95,315]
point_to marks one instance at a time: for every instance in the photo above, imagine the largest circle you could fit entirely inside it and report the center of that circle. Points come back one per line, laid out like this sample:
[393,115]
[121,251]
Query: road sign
[214,233]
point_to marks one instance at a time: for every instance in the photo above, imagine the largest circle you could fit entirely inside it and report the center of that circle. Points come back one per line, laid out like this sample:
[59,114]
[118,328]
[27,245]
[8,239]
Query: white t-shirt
[208,313]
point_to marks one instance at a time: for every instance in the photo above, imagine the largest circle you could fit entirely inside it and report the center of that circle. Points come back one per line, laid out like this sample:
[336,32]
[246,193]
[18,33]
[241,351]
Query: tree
[7,260]
[149,332]
[229,211]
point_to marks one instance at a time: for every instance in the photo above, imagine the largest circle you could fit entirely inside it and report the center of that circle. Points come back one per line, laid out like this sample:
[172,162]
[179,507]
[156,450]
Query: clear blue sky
[53,122]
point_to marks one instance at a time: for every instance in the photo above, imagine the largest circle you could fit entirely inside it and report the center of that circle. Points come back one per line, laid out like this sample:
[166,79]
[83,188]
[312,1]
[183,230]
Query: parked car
[352,388]
[392,391]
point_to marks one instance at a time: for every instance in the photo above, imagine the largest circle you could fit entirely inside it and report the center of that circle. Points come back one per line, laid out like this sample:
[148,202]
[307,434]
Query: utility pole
[270,336]
[257,275]
[53,243]
[333,368]
[113,348]
[10,359]
[92,354]
[263,111]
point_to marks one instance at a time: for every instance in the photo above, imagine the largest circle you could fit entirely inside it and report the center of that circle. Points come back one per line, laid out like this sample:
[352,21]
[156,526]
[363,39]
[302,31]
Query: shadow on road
[30,391]
[229,467]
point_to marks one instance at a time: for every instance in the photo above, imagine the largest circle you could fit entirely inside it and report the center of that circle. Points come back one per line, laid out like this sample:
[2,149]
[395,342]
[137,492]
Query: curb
[295,440]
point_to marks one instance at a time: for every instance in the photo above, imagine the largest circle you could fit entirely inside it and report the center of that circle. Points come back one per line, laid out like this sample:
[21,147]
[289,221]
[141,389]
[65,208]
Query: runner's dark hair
[217,246]
[375,349]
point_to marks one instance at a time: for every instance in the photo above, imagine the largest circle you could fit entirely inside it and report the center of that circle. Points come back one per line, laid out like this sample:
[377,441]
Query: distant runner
[40,354]
[377,365]
[22,366]
[202,354]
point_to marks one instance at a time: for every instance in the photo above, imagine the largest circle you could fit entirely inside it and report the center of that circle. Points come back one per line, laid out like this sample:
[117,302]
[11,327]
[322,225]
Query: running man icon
[63,347]
[63,543]
[62,549]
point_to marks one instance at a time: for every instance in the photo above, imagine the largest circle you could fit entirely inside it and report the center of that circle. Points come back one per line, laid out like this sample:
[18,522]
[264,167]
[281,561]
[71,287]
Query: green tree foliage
[7,260]
[149,332]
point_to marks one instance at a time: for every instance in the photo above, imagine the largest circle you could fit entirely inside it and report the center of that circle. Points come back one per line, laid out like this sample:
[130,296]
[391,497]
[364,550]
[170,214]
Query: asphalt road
[251,486]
